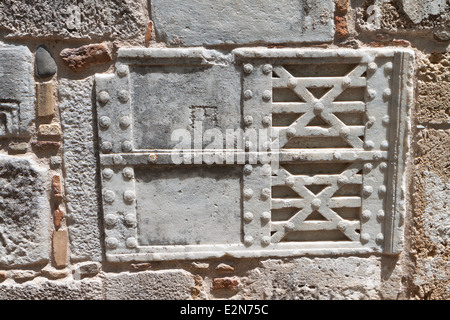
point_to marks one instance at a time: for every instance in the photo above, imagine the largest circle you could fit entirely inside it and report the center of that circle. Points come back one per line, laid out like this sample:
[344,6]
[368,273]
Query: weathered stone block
[45,146]
[225,283]
[80,184]
[21,147]
[340,278]
[64,19]
[149,285]
[225,268]
[433,100]
[412,15]
[430,228]
[24,209]
[56,187]
[193,23]
[58,216]
[16,91]
[86,289]
[86,269]
[417,10]
[50,130]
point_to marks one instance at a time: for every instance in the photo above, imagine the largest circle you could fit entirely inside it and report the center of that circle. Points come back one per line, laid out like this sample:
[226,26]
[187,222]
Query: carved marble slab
[261,152]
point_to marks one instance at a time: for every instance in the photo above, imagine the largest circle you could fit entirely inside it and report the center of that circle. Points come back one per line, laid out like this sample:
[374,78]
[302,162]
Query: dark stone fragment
[45,65]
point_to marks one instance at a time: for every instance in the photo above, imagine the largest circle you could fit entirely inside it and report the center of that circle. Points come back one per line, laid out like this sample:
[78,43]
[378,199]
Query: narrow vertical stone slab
[80,168]
[199,22]
[16,91]
[45,100]
[24,213]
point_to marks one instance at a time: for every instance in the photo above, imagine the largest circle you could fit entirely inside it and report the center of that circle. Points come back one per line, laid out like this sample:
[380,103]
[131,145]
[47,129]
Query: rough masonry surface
[64,19]
[24,220]
[80,165]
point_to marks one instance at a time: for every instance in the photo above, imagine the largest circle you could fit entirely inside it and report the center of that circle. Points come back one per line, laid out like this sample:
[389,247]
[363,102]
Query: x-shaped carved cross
[322,202]
[325,106]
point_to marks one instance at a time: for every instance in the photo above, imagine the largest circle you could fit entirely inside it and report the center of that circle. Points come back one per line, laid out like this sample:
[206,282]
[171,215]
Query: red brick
[225,283]
[342,6]
[58,216]
[56,187]
[392,43]
[78,59]
[148,33]
[341,26]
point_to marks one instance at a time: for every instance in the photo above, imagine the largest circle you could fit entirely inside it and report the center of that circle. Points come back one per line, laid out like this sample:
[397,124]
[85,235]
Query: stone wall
[62,238]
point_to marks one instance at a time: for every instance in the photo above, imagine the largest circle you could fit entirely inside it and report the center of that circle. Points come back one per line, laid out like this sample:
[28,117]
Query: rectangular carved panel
[264,152]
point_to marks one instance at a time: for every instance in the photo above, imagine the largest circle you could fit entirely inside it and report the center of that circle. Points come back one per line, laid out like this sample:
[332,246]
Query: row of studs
[130,221]
[367,191]
[111,219]
[265,195]
[384,145]
[266,95]
[124,122]
[372,68]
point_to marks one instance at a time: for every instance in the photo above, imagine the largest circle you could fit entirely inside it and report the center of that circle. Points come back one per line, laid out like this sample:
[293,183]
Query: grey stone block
[80,167]
[16,91]
[417,10]
[341,278]
[66,19]
[43,289]
[200,22]
[149,285]
[24,213]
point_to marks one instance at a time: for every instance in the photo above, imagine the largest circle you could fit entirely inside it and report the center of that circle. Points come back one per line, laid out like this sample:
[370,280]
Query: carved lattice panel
[316,167]
[319,203]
